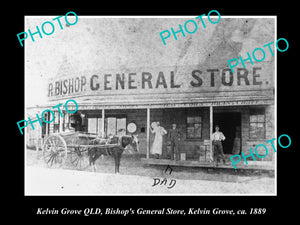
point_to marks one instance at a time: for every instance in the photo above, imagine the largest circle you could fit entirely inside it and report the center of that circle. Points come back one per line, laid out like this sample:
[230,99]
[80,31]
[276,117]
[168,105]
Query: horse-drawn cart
[76,146]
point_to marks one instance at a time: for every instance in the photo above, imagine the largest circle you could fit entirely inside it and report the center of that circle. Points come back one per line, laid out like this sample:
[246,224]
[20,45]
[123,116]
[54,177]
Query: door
[230,125]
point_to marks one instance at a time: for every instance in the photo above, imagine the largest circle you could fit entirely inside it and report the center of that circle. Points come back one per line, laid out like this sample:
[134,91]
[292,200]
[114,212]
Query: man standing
[159,131]
[174,136]
[217,137]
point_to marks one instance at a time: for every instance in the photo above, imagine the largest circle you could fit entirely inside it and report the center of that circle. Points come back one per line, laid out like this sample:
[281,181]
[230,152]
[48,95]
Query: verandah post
[210,131]
[102,121]
[148,133]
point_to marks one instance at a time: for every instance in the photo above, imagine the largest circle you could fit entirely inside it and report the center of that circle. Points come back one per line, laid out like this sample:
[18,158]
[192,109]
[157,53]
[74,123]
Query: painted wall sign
[167,80]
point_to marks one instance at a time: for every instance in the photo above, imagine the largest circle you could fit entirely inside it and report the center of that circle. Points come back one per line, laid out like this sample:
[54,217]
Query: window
[112,125]
[95,125]
[194,127]
[56,122]
[257,123]
[92,128]
[66,121]
[45,127]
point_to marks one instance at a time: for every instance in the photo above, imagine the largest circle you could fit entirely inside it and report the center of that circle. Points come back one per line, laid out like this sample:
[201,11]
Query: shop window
[95,125]
[257,124]
[56,122]
[194,127]
[66,121]
[45,127]
[76,123]
[92,125]
[112,125]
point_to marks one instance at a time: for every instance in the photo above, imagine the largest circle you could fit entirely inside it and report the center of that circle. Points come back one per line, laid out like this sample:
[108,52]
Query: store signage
[169,80]
[144,104]
[210,103]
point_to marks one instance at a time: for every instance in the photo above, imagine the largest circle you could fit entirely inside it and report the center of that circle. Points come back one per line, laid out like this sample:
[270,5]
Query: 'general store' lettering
[160,80]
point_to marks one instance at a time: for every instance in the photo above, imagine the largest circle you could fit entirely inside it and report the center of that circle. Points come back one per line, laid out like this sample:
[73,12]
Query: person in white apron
[159,132]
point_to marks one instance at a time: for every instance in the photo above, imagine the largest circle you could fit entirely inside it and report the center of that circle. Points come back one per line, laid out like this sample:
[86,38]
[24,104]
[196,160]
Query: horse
[115,151]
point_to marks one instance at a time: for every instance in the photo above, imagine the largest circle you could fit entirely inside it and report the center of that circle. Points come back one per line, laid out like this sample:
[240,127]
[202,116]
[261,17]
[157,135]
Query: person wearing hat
[174,136]
[217,137]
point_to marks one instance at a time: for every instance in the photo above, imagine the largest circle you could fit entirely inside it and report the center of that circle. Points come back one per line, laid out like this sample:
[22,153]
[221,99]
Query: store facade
[196,98]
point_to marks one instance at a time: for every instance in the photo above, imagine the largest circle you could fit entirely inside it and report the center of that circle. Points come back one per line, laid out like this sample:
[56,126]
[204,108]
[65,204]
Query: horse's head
[132,141]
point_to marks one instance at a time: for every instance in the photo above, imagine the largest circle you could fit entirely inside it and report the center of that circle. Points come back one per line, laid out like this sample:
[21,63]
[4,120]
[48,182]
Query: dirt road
[135,179]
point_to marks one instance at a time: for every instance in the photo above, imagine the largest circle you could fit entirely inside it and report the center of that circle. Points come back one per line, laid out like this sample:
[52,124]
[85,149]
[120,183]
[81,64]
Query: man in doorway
[217,137]
[174,136]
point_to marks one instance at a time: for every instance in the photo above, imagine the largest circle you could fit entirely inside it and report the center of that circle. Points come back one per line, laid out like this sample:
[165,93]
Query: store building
[194,97]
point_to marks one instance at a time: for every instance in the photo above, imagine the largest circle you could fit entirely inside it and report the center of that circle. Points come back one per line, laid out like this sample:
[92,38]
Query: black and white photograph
[181,114]
[139,105]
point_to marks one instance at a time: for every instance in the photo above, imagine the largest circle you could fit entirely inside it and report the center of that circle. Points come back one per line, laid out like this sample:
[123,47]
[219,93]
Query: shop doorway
[230,125]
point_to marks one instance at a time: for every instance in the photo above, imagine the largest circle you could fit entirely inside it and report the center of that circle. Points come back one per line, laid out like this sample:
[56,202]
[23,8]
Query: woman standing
[158,139]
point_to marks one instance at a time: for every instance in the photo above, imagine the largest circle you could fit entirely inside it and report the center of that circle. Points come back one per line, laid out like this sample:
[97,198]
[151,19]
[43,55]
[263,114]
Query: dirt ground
[137,178]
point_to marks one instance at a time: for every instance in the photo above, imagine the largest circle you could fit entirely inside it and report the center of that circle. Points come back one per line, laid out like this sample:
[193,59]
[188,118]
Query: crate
[205,154]
[182,156]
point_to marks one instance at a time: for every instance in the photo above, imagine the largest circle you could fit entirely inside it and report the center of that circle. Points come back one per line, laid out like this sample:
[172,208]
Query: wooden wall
[195,148]
[270,134]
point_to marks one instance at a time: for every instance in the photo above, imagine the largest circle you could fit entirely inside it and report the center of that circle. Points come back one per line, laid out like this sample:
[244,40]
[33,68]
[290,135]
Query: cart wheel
[55,151]
[79,158]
